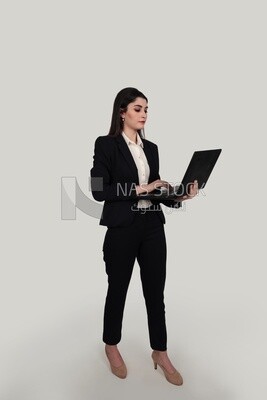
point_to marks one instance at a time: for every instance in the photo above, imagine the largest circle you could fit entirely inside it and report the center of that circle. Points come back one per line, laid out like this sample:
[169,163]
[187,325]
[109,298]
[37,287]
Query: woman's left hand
[193,191]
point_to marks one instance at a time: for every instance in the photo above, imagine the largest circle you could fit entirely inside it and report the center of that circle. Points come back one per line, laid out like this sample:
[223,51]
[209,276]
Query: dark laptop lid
[199,168]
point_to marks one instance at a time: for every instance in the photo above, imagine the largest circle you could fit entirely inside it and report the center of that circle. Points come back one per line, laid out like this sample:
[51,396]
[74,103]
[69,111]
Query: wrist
[137,189]
[141,188]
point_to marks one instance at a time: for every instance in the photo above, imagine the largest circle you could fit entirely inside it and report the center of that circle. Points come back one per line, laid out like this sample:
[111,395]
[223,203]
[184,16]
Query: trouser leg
[120,248]
[152,260]
[114,304]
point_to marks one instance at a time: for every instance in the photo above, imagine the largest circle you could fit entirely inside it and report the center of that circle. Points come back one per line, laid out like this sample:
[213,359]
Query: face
[136,114]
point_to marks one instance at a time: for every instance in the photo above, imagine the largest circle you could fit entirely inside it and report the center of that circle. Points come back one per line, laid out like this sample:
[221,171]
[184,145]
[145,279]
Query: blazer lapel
[150,158]
[129,158]
[127,155]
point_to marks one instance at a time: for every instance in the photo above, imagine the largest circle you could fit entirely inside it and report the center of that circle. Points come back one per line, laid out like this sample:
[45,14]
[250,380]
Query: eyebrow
[139,105]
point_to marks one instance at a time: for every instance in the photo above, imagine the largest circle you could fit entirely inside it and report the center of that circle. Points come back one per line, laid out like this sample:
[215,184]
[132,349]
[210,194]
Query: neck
[131,133]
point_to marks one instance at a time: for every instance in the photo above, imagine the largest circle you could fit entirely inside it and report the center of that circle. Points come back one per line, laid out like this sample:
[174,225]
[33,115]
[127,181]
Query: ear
[122,113]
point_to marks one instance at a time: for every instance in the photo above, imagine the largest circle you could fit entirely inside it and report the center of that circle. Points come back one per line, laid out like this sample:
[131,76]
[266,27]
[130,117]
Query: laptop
[199,168]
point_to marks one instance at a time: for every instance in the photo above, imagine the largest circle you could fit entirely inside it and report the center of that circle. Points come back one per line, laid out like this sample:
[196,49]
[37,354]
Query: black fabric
[144,240]
[131,235]
[114,176]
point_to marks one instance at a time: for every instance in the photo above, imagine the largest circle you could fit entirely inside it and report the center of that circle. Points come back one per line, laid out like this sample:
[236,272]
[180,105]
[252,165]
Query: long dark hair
[123,98]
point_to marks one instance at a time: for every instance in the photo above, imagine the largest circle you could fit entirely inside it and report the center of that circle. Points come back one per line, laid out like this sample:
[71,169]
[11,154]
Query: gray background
[202,65]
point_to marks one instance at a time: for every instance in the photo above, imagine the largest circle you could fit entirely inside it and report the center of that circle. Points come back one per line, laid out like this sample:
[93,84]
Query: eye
[137,109]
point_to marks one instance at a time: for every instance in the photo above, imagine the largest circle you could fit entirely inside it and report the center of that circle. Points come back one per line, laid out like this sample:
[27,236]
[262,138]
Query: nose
[144,114]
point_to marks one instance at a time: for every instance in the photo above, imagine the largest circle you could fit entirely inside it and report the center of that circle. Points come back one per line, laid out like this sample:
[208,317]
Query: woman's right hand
[149,187]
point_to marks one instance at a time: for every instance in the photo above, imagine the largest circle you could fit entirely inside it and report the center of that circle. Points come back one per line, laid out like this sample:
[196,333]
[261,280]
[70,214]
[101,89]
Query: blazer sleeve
[103,189]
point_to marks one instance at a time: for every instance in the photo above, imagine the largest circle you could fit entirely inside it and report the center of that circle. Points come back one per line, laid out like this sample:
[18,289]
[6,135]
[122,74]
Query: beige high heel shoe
[121,371]
[175,378]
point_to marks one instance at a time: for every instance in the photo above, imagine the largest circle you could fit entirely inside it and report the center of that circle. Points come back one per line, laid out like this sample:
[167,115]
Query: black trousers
[145,241]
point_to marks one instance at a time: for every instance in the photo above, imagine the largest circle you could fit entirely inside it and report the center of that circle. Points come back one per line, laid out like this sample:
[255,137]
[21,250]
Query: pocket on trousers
[106,249]
[104,245]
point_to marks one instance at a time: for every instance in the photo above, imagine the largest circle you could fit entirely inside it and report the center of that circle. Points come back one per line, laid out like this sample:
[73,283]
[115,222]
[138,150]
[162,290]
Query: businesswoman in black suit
[126,165]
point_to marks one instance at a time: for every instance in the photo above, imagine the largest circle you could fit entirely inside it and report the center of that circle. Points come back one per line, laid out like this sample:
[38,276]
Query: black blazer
[114,176]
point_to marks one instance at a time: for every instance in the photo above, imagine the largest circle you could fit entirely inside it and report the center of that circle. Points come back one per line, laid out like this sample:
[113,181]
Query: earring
[123,119]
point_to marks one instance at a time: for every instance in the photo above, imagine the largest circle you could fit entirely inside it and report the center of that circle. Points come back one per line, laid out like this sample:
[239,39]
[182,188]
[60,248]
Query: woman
[126,165]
